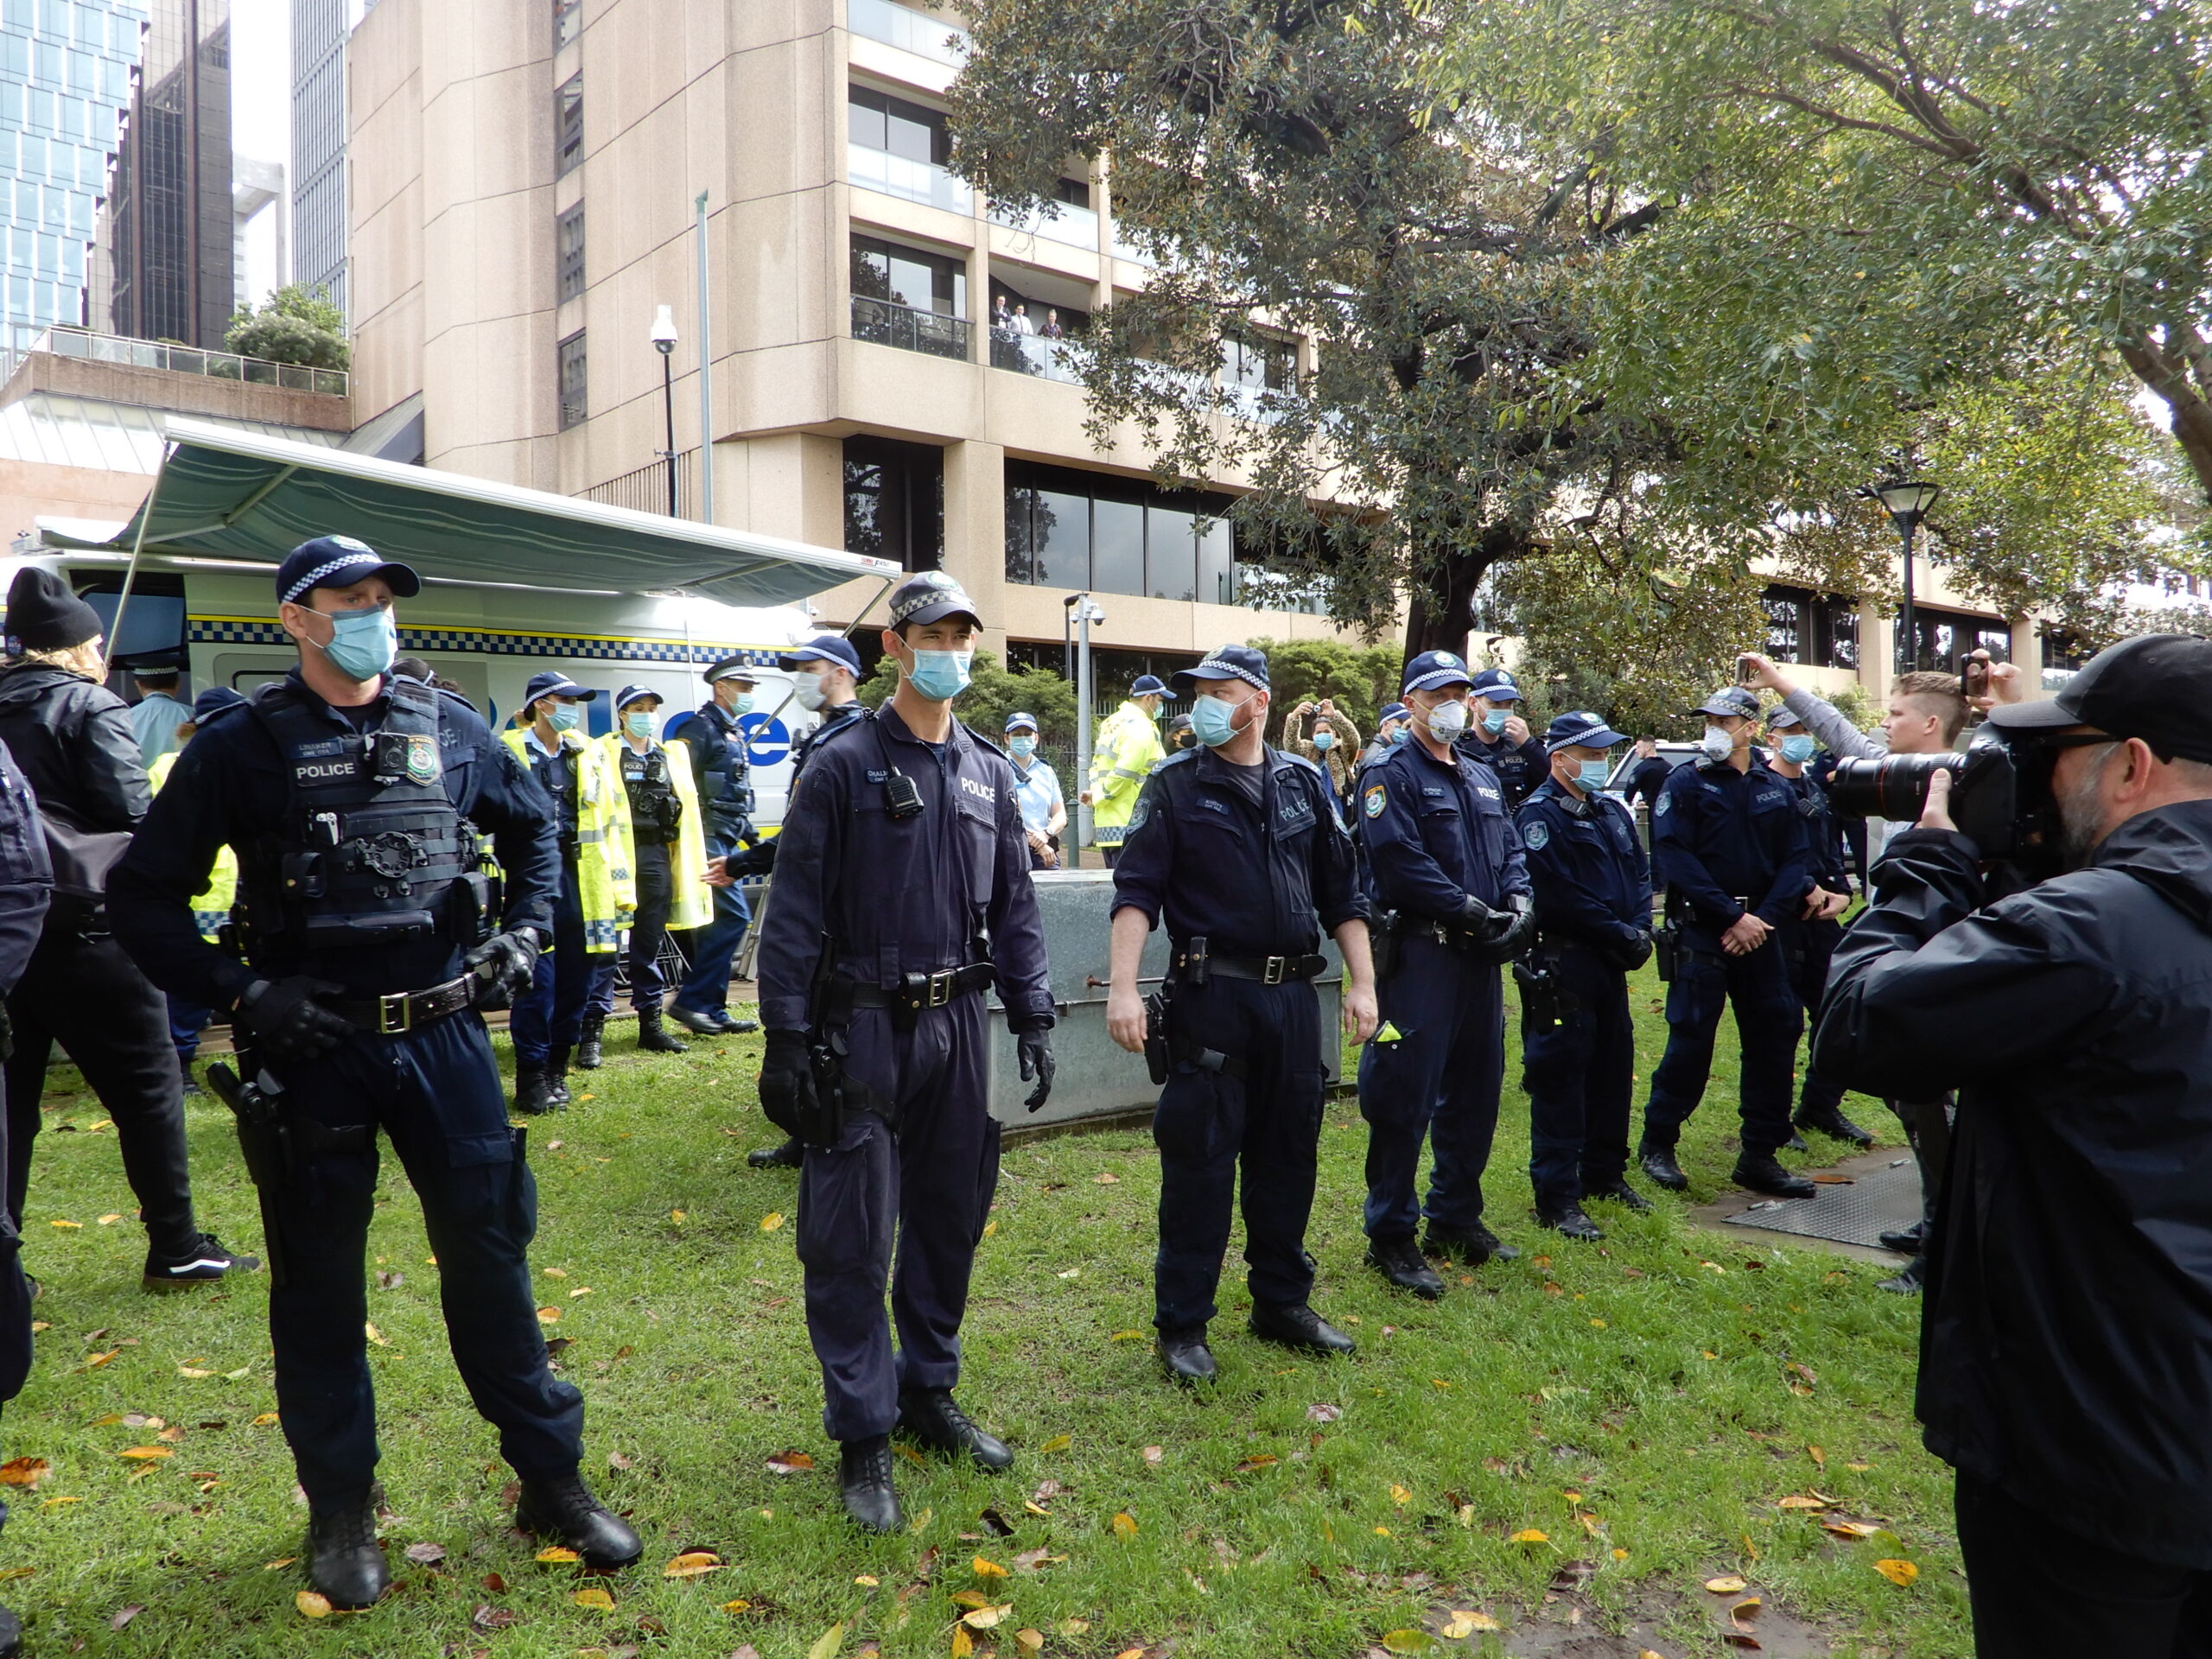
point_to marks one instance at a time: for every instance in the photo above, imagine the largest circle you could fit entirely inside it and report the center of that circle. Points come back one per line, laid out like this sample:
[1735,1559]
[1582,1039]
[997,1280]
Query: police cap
[1580,729]
[629,693]
[1395,711]
[2157,687]
[554,683]
[1019,721]
[1779,716]
[832,648]
[730,668]
[1434,668]
[339,561]
[1229,663]
[214,698]
[1731,700]
[1150,685]
[931,597]
[1497,685]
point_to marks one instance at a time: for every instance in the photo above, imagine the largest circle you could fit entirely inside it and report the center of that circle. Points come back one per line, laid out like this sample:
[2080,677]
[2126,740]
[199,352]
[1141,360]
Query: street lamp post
[1908,501]
[1085,612]
[664,343]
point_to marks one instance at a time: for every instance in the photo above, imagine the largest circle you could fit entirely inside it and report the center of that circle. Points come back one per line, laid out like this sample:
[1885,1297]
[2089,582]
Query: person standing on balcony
[1128,747]
[1051,330]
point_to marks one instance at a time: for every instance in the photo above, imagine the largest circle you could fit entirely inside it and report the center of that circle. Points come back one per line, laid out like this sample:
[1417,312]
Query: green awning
[227,494]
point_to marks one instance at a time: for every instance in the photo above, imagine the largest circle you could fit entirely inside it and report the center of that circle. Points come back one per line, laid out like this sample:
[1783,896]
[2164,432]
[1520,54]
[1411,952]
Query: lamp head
[664,330]
[1907,500]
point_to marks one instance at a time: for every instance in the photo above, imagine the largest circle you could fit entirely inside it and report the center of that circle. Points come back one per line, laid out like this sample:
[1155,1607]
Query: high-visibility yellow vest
[692,901]
[1124,753]
[211,908]
[608,890]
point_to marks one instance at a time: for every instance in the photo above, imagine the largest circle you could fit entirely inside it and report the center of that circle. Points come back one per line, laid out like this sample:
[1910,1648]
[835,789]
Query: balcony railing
[908,179]
[188,359]
[909,31]
[886,323]
[1053,360]
[1076,227]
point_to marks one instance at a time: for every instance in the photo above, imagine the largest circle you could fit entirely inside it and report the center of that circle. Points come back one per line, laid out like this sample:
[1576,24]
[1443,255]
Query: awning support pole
[130,570]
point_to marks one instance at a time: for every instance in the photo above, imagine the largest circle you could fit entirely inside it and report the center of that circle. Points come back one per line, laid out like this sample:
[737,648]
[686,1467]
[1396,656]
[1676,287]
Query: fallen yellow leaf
[971,1598]
[692,1564]
[147,1453]
[1796,1502]
[1530,1536]
[79,1224]
[1400,1497]
[592,1596]
[549,1316]
[1075,1627]
[1725,1586]
[1849,1529]
[986,1618]
[962,1643]
[1408,1642]
[869,1579]
[312,1605]
[188,1370]
[739,1605]
[375,1336]
[98,1360]
[1029,1641]
[1058,1443]
[989,1569]
[557,1555]
[24,1471]
[989,1227]
[1896,1572]
[770,1221]
[827,1644]
[264,1419]
[111,1219]
[678,1215]
[1125,1525]
[1465,1621]
[1127,1336]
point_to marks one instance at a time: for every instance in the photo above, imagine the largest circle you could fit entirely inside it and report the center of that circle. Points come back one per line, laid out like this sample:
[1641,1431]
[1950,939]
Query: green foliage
[298,325]
[1359,681]
[993,693]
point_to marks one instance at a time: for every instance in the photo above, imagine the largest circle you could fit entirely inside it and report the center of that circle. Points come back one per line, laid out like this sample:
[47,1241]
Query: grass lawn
[1646,1405]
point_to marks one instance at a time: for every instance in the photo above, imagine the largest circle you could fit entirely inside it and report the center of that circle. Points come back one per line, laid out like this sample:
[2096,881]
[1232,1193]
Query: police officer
[211,909]
[358,805]
[25,888]
[1810,935]
[1238,849]
[826,679]
[1044,810]
[666,856]
[1127,748]
[1729,843]
[902,892]
[1594,927]
[1499,738]
[1391,730]
[723,773]
[71,739]
[1446,880]
[592,810]
[1649,775]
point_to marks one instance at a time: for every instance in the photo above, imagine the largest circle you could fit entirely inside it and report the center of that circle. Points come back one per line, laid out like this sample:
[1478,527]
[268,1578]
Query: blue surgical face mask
[1399,735]
[741,704]
[1494,722]
[1213,720]
[940,676]
[1024,746]
[565,716]
[1590,775]
[1797,749]
[363,644]
[1323,740]
[640,724]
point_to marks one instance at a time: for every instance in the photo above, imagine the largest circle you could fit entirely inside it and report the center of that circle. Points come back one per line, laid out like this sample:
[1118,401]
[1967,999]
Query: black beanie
[45,615]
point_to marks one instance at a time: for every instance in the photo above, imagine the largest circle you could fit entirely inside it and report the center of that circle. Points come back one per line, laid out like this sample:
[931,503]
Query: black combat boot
[654,1038]
[1831,1121]
[587,1041]
[556,1072]
[1907,1241]
[864,1483]
[1186,1357]
[563,1508]
[788,1156]
[931,1416]
[346,1565]
[534,1091]
[1401,1261]
[1293,1324]
[1474,1245]
[1762,1172]
[1622,1193]
[1659,1164]
[1568,1219]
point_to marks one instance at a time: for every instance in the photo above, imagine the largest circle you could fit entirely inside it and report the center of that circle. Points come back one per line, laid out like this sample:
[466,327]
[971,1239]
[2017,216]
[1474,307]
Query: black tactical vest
[656,813]
[726,774]
[370,851]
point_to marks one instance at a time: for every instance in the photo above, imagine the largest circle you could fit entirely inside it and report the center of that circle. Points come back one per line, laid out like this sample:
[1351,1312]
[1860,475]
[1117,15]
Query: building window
[568,240]
[568,22]
[1070,528]
[1260,363]
[904,297]
[1074,191]
[569,126]
[1949,638]
[876,120]
[894,501]
[1816,630]
[576,404]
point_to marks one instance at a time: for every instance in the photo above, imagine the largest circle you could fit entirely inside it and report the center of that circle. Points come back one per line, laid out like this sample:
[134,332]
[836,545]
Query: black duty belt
[398,1011]
[1269,970]
[917,992]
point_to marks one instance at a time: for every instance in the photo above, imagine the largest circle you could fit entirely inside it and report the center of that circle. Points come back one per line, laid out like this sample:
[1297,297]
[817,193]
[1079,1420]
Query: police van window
[154,625]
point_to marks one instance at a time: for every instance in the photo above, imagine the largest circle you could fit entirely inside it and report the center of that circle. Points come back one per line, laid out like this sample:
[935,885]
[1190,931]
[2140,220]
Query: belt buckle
[1272,971]
[941,987]
[395,1014]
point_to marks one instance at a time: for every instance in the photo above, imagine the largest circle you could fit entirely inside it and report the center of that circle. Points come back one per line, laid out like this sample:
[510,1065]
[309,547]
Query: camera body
[2001,796]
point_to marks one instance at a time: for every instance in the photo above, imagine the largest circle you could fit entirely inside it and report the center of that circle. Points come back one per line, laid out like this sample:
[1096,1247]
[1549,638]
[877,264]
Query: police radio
[902,799]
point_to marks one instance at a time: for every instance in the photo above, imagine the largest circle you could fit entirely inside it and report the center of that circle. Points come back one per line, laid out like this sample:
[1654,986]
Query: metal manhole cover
[1876,1202]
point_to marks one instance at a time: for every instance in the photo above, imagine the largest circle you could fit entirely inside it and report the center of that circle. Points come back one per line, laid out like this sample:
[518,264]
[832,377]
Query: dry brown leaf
[1154,1453]
[311,1605]
[125,1615]
[1262,1460]
[24,1471]
[791,1463]
[1896,1572]
[1322,1411]
[426,1554]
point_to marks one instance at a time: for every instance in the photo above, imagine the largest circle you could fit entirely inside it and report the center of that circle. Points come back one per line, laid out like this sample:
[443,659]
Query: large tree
[1294,171]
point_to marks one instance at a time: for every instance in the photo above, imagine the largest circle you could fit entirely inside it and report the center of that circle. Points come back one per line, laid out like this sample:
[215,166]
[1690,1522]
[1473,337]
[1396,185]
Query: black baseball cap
[931,597]
[554,683]
[1228,662]
[339,561]
[1731,700]
[2157,687]
[1580,727]
[832,648]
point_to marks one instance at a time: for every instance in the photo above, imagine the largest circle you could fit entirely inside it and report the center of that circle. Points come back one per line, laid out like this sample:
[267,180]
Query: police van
[515,581]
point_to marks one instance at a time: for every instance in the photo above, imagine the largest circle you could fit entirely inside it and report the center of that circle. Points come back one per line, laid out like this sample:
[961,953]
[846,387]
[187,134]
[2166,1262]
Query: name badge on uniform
[331,760]
[1212,805]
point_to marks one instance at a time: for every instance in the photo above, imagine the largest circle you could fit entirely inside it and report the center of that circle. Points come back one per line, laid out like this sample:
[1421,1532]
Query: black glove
[288,1023]
[503,964]
[1632,952]
[787,1093]
[1520,929]
[1032,1042]
[1480,920]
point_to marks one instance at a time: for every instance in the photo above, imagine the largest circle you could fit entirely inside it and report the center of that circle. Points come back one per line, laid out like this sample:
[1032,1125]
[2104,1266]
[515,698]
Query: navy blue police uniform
[1593,926]
[902,892]
[363,836]
[1435,836]
[1245,867]
[1518,767]
[547,1020]
[1647,779]
[1724,843]
[1808,943]
[722,769]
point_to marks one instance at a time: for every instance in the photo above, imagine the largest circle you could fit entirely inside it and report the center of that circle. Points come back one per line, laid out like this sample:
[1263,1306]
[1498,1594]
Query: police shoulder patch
[1139,815]
[1537,834]
[1665,802]
[1373,801]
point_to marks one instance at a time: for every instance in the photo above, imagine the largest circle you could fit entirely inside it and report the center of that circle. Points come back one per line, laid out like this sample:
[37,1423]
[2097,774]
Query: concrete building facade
[521,178]
[320,29]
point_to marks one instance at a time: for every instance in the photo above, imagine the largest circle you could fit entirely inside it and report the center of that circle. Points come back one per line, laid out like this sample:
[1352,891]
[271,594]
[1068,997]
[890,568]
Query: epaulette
[827,733]
[223,713]
[458,698]
[993,747]
[1181,757]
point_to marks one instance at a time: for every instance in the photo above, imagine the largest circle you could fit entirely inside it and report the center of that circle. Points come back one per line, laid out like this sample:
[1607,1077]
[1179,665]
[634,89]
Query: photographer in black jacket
[2066,1345]
[72,738]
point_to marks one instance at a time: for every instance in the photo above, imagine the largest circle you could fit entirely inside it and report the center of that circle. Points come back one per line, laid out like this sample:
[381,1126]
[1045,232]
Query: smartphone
[1977,678]
[1745,674]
